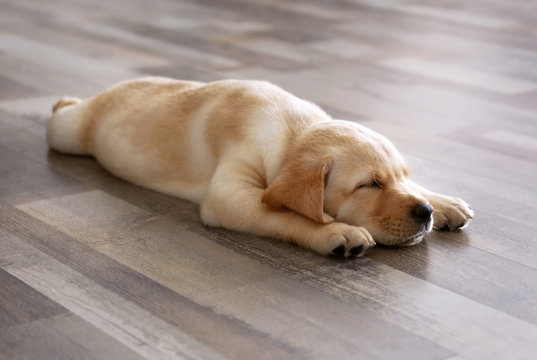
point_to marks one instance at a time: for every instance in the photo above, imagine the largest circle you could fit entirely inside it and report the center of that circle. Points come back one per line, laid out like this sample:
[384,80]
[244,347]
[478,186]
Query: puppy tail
[65,126]
[65,101]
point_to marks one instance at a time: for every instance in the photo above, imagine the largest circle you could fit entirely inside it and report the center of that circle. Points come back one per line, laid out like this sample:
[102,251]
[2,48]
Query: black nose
[422,212]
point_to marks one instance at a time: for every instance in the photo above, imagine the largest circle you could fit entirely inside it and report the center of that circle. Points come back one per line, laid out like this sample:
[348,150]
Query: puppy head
[343,171]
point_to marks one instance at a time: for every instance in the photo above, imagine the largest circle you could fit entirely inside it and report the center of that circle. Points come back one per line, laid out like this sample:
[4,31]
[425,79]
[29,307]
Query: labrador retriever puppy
[257,159]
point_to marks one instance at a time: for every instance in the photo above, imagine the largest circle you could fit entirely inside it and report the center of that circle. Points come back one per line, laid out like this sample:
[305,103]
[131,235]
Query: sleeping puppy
[256,159]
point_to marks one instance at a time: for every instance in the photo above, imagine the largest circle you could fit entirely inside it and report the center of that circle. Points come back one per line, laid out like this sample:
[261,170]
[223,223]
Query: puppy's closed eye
[375,183]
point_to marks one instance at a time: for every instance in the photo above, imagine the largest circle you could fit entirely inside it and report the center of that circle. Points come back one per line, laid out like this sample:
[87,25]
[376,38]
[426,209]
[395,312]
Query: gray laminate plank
[62,336]
[444,13]
[228,336]
[56,58]
[10,89]
[460,75]
[23,179]
[20,303]
[121,319]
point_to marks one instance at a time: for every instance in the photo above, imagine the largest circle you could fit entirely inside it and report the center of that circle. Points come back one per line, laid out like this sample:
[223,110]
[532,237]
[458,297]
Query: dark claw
[356,250]
[339,251]
[459,226]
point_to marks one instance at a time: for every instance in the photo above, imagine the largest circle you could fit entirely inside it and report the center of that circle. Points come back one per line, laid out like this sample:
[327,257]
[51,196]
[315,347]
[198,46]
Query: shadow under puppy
[256,159]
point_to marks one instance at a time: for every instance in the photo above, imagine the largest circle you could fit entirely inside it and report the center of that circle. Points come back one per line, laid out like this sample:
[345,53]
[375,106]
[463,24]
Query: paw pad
[356,250]
[339,251]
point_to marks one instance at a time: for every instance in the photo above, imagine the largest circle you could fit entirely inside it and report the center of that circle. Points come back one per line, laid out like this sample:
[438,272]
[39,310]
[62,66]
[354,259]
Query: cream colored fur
[257,159]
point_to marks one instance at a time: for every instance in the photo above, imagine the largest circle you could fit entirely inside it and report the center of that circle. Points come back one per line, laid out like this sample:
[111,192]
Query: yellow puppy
[256,159]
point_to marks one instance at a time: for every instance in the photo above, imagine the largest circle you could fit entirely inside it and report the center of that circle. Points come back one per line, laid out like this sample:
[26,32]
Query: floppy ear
[300,188]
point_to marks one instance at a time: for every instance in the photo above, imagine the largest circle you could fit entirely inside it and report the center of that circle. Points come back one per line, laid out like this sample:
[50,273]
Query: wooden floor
[92,267]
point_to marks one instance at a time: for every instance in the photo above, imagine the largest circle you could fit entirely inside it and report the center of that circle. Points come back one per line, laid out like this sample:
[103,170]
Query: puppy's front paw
[344,240]
[451,213]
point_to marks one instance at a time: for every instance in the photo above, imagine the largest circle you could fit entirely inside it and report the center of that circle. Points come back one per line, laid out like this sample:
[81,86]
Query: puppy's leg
[234,202]
[449,212]
[65,126]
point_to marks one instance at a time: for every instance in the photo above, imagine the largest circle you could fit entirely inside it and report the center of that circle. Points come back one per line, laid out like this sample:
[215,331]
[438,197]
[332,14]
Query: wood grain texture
[92,267]
[20,303]
[63,336]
